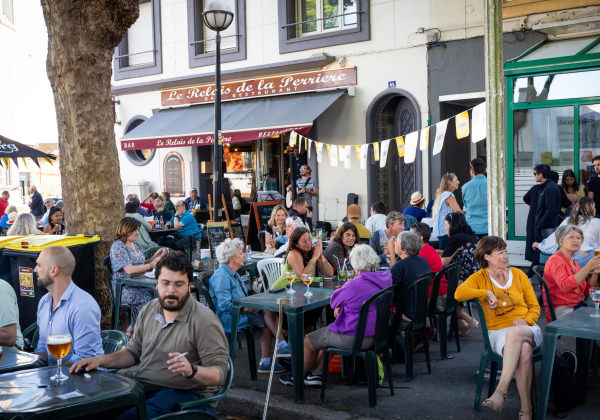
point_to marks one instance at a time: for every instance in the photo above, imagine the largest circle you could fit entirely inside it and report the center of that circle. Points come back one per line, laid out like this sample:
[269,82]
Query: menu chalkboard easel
[217,233]
[260,213]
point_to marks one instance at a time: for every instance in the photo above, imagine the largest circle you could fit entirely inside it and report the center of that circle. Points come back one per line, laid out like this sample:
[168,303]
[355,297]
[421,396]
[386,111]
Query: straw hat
[416,198]
[354,211]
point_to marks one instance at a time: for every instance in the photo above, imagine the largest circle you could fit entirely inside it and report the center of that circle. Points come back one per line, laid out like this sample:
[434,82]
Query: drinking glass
[350,274]
[248,250]
[595,295]
[0,354]
[319,233]
[307,280]
[342,276]
[290,276]
[59,346]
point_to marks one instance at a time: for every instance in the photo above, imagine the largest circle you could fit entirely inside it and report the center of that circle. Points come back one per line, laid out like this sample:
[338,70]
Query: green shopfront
[553,117]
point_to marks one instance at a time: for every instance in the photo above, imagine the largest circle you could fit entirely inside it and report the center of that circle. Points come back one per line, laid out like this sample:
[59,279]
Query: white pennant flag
[479,117]
[424,139]
[410,146]
[309,147]
[347,151]
[293,136]
[385,144]
[364,152]
[440,133]
[342,154]
[334,155]
[319,147]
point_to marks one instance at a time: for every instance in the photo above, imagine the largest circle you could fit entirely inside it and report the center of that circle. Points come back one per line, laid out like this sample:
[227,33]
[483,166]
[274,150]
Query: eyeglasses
[505,304]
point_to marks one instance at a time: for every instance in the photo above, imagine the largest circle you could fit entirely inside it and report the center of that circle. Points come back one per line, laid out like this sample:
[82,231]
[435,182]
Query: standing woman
[275,230]
[511,311]
[573,190]
[54,225]
[340,246]
[445,203]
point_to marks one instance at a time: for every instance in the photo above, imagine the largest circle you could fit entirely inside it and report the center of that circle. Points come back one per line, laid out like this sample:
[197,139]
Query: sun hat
[416,198]
[354,211]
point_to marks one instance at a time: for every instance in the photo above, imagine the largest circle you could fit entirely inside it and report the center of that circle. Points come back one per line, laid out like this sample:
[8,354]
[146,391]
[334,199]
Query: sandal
[492,404]
[464,328]
[525,414]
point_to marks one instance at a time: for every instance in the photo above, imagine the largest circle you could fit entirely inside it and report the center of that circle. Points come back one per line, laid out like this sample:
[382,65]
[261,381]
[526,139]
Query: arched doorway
[392,113]
[173,174]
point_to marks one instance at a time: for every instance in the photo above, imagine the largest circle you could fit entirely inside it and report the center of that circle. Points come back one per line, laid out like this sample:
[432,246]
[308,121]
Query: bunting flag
[424,139]
[410,147]
[376,151]
[309,147]
[364,152]
[357,150]
[342,154]
[329,151]
[300,137]
[347,150]
[385,144]
[479,123]
[293,136]
[50,161]
[6,161]
[24,162]
[462,125]
[333,158]
[319,147]
[400,146]
[440,133]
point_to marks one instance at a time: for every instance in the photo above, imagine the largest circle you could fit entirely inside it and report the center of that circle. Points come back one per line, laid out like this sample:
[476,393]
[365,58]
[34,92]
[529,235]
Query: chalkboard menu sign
[217,233]
[260,213]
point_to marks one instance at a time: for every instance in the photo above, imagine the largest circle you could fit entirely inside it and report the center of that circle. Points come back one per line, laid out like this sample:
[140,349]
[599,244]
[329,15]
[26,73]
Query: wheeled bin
[4,261]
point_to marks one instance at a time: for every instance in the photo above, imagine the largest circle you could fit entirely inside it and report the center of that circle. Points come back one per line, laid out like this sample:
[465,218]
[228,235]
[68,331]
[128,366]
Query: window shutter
[227,42]
[140,37]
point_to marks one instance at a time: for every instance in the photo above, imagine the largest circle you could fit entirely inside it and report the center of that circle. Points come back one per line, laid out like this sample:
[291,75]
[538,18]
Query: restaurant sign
[266,86]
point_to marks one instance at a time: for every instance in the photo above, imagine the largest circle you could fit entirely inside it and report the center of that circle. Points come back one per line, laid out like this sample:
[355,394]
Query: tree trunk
[82,36]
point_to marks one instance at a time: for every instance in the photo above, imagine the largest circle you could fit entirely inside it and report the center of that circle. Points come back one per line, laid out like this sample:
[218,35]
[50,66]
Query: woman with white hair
[346,303]
[23,225]
[291,223]
[226,285]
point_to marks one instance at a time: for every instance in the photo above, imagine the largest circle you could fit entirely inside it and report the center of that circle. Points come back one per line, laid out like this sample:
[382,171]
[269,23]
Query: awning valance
[241,121]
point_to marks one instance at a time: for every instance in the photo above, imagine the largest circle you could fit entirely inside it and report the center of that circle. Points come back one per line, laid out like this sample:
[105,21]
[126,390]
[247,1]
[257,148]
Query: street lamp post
[217,16]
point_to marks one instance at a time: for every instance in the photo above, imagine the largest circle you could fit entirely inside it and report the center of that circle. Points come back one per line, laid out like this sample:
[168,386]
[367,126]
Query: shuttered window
[140,38]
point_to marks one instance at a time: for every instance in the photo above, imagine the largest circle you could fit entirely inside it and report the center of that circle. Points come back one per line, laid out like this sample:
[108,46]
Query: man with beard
[178,344]
[66,308]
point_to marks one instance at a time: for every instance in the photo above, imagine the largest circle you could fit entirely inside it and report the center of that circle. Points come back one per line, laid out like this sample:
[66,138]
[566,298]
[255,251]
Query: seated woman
[291,223]
[8,217]
[126,258]
[55,225]
[565,278]
[275,231]
[23,225]
[226,285]
[346,303]
[511,310]
[303,258]
[339,248]
[581,216]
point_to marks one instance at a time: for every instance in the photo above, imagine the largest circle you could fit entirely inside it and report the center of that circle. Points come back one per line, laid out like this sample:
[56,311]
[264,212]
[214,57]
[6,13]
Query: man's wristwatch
[194,370]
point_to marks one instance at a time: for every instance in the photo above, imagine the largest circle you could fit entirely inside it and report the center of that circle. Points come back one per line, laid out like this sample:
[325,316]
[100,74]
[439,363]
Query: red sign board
[266,86]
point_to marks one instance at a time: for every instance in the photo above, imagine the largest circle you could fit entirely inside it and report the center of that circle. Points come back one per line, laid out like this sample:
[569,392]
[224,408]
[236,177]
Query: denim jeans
[160,401]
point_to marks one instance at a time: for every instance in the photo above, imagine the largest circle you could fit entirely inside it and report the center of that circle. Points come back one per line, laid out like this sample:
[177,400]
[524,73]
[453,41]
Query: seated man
[166,329]
[66,308]
[379,239]
[10,331]
[300,209]
[354,215]
[187,228]
[416,206]
[159,212]
[193,201]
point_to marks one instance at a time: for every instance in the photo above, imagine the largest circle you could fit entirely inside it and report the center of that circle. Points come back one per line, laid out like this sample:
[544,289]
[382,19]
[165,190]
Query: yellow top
[363,232]
[519,296]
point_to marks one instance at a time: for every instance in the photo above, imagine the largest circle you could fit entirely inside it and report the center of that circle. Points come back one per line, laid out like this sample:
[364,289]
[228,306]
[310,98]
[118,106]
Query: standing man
[474,194]
[66,308]
[193,201]
[166,329]
[416,206]
[547,215]
[4,202]
[37,203]
[594,184]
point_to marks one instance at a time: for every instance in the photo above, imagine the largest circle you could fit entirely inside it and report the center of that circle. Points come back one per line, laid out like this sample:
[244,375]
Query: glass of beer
[290,276]
[59,346]
[307,280]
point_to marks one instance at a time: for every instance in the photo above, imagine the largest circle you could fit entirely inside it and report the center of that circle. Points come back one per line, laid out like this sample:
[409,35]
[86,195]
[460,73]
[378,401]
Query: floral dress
[136,297]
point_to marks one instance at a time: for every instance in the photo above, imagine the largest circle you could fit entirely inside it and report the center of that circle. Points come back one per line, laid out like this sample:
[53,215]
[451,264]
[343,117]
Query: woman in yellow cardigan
[511,311]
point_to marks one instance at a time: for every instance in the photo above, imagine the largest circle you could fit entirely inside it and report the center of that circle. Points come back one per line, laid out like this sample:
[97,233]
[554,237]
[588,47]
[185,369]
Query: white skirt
[498,337]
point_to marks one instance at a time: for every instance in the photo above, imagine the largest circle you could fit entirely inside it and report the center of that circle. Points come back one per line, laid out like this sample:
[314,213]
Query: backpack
[563,387]
[466,256]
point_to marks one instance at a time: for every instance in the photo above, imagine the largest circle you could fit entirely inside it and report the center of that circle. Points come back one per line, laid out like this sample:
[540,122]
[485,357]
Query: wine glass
[248,250]
[307,280]
[290,276]
[595,295]
[59,346]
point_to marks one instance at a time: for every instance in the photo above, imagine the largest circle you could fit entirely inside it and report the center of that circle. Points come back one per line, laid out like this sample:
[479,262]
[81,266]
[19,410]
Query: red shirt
[147,206]
[435,262]
[3,206]
[559,275]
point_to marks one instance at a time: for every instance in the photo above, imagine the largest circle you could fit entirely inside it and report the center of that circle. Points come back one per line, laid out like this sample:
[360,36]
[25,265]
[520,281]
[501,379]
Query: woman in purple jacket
[346,303]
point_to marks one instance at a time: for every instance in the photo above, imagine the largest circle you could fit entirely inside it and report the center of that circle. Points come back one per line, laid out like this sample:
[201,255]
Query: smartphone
[279,289]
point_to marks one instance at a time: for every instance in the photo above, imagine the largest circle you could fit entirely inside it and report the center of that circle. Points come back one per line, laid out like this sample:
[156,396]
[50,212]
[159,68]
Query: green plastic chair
[188,415]
[113,341]
[452,276]
[420,288]
[216,397]
[539,272]
[107,265]
[31,336]
[383,301]
[495,359]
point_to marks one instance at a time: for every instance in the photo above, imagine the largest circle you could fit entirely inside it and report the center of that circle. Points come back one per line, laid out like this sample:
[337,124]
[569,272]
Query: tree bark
[82,36]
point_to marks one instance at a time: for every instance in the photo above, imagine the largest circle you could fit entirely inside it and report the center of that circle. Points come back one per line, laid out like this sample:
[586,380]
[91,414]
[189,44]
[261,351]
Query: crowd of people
[45,216]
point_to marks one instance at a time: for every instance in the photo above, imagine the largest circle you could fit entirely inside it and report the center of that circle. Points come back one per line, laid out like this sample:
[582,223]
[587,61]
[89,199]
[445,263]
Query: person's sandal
[492,405]
[526,414]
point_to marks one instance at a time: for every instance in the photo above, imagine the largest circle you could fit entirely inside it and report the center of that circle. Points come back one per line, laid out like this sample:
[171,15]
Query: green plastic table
[295,309]
[138,280]
[31,394]
[577,324]
[14,359]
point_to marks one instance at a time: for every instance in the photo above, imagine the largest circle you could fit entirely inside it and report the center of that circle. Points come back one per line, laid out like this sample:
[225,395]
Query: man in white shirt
[377,220]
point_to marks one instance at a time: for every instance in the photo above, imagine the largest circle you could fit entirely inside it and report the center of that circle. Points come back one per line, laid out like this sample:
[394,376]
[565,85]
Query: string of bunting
[406,146]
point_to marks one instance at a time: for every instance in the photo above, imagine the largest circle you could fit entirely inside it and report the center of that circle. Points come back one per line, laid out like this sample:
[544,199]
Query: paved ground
[447,393]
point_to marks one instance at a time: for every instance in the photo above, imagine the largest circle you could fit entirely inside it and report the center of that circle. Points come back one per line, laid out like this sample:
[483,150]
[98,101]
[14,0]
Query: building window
[6,12]
[201,39]
[138,157]
[310,24]
[173,173]
[139,53]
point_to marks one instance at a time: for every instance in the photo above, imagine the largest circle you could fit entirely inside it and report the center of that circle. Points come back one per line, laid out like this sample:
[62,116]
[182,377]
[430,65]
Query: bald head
[180,203]
[61,258]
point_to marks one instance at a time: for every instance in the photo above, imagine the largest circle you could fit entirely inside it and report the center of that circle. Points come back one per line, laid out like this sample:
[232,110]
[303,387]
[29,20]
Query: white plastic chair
[269,270]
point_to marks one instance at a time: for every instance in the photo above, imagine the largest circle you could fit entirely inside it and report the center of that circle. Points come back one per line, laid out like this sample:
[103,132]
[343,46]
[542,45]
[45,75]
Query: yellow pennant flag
[376,151]
[24,162]
[424,143]
[50,161]
[328,150]
[400,145]
[357,150]
[462,125]
[6,162]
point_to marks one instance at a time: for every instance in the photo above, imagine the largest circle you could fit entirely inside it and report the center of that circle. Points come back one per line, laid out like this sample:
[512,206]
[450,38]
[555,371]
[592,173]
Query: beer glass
[290,276]
[59,346]
[307,280]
